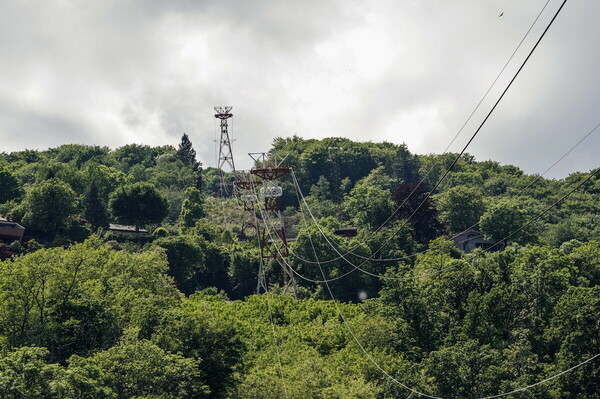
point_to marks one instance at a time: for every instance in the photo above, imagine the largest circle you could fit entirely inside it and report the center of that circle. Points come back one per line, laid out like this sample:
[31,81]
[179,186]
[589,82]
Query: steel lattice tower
[225,154]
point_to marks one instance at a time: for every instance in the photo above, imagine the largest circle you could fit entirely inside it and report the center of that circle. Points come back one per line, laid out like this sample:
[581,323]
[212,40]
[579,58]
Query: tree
[405,165]
[78,300]
[140,369]
[187,155]
[465,370]
[138,204]
[24,374]
[321,190]
[94,209]
[48,206]
[412,202]
[201,329]
[192,208]
[186,152]
[243,272]
[186,258]
[368,205]
[502,220]
[576,328]
[461,207]
[9,186]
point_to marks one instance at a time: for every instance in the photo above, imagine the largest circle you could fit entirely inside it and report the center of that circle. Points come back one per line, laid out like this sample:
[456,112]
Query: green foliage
[201,329]
[192,208]
[502,220]
[321,190]
[24,374]
[101,321]
[461,207]
[9,186]
[94,209]
[160,232]
[79,299]
[138,204]
[369,205]
[48,205]
[465,370]
[187,258]
[415,205]
[139,369]
[243,272]
[186,152]
[575,328]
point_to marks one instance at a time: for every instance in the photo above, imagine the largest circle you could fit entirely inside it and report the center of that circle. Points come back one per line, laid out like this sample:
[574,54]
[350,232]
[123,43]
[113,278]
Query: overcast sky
[111,72]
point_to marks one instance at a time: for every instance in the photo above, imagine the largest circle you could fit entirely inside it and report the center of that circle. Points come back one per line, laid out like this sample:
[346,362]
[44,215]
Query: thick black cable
[426,395]
[349,251]
[406,257]
[359,268]
[469,142]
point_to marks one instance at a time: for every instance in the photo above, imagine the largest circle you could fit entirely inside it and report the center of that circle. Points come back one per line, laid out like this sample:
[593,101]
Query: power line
[359,268]
[412,390]
[349,251]
[423,394]
[476,132]
[387,240]
[268,294]
[406,257]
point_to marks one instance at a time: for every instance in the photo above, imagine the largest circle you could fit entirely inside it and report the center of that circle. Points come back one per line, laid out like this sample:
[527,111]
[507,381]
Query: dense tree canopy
[9,186]
[48,205]
[138,204]
[195,311]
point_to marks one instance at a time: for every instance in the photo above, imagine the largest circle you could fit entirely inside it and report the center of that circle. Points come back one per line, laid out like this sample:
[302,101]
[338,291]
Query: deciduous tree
[139,204]
[48,206]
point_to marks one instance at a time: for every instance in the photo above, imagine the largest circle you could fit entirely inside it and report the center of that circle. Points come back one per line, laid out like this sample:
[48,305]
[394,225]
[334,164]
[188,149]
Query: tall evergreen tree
[94,209]
[187,155]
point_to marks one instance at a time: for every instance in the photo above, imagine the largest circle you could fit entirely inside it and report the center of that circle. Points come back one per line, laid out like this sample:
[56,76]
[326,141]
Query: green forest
[166,306]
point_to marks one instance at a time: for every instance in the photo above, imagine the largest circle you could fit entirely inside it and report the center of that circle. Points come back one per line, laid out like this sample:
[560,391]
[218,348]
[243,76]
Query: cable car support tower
[225,153]
[269,167]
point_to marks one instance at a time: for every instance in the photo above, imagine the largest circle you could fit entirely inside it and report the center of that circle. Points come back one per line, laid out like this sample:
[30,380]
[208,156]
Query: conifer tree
[187,155]
[94,209]
[186,152]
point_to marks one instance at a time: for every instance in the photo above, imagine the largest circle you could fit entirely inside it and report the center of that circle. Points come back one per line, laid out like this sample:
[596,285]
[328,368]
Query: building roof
[125,228]
[8,224]
[346,232]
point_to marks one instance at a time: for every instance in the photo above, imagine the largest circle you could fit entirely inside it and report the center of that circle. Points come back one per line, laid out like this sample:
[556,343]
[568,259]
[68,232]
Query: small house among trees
[123,229]
[471,239]
[11,230]
[347,232]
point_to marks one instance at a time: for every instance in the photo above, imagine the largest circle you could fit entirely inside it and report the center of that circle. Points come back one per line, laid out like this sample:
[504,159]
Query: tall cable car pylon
[269,167]
[225,153]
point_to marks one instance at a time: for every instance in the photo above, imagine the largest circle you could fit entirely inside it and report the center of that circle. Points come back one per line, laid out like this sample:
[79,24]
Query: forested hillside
[165,305]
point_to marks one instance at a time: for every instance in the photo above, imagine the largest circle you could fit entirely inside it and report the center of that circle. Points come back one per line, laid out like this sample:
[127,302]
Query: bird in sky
[501,15]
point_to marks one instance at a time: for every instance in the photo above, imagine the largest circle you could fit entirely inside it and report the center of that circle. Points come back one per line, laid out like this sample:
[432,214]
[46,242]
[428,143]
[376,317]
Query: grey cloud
[146,71]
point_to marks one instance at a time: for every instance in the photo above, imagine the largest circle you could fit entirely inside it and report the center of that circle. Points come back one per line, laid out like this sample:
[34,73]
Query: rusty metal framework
[244,187]
[269,167]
